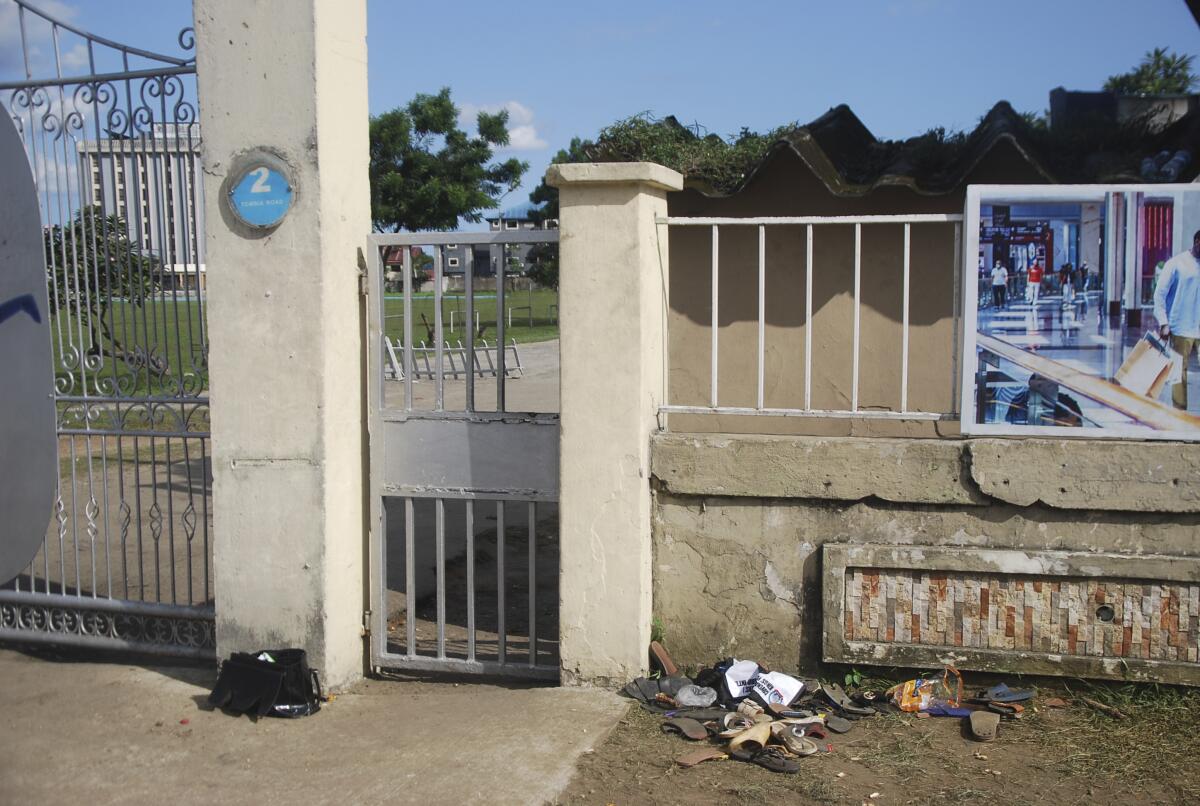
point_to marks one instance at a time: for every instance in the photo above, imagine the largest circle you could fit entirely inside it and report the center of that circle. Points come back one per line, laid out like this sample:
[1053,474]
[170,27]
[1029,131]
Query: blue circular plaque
[260,196]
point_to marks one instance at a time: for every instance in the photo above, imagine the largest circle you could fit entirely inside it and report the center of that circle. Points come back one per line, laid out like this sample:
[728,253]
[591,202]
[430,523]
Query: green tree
[1159,73]
[93,265]
[542,265]
[427,173]
[542,258]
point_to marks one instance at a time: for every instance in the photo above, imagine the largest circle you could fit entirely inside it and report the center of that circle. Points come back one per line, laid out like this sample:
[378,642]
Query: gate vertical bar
[470,503]
[904,329]
[440,549]
[500,631]
[408,330]
[808,317]
[410,580]
[497,254]
[762,312]
[469,281]
[532,583]
[714,338]
[857,311]
[438,341]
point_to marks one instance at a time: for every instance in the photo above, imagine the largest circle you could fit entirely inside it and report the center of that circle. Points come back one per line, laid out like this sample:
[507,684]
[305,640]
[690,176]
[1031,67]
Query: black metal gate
[113,142]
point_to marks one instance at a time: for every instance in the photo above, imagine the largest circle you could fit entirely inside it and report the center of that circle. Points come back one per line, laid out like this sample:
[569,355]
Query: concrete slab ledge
[614,173]
[1105,475]
[1062,474]
[923,471]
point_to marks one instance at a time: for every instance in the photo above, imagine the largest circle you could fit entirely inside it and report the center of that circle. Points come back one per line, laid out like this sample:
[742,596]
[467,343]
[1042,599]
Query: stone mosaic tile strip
[1154,621]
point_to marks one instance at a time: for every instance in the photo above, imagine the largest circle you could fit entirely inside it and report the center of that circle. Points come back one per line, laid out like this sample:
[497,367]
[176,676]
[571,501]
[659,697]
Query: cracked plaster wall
[739,521]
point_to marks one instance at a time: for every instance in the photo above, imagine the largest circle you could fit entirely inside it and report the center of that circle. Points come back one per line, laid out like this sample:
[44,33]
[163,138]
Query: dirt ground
[1073,755]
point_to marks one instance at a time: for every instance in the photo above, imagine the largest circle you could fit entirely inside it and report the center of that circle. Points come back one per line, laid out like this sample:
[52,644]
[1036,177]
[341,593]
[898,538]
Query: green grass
[168,331]
[544,318]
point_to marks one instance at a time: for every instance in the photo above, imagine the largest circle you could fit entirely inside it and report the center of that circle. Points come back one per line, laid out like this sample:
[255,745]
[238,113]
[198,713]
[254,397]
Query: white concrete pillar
[289,78]
[612,303]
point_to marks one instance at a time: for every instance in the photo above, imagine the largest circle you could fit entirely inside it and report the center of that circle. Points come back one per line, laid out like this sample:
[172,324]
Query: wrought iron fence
[115,152]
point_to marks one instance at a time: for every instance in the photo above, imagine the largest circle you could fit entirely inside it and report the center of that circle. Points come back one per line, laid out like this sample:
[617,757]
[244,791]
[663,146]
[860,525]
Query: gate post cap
[614,173]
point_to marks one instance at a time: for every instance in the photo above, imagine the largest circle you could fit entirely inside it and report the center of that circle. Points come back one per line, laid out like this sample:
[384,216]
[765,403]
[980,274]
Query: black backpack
[272,682]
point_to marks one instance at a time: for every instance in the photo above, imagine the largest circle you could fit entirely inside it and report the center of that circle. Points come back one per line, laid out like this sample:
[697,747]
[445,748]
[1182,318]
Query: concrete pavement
[109,733]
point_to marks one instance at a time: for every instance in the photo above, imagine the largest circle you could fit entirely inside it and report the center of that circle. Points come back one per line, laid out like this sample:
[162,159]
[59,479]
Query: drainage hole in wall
[1106,613]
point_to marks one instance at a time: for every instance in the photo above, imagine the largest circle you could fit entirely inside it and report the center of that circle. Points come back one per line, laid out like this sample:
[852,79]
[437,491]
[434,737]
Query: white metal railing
[809,222]
[483,361]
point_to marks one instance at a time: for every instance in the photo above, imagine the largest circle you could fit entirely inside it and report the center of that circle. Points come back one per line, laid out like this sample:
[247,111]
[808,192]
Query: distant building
[1072,107]
[511,220]
[153,182]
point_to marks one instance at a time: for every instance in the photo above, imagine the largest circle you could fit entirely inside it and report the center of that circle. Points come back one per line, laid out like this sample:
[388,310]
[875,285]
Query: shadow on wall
[786,186]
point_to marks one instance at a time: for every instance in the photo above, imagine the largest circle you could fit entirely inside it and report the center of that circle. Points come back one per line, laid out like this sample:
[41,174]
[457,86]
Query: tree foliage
[542,264]
[1159,73]
[92,263]
[427,173]
[721,163]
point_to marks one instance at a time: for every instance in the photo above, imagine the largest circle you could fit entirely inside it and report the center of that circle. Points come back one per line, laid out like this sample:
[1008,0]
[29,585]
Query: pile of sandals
[773,735]
[742,716]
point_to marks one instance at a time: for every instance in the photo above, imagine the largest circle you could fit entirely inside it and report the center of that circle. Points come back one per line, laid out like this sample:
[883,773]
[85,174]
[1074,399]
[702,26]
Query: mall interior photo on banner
[1086,311]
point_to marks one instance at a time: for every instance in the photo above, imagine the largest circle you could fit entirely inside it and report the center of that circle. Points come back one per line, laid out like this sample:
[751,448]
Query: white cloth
[741,677]
[999,276]
[1177,296]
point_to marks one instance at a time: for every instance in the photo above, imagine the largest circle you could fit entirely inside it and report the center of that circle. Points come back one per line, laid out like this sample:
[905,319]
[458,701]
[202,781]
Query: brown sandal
[687,728]
[769,758]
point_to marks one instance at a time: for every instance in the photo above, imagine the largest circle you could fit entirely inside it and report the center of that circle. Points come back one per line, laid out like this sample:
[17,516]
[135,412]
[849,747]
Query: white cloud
[522,130]
[76,58]
[38,39]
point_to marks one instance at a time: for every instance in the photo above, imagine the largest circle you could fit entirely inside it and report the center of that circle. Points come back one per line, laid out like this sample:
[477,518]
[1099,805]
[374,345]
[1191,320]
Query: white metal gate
[112,139]
[464,559]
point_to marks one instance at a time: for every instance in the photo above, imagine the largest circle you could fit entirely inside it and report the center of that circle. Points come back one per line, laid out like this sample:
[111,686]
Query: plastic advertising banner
[1082,311]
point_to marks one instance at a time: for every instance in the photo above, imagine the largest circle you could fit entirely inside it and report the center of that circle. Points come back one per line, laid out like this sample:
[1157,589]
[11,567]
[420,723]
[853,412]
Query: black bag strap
[316,685]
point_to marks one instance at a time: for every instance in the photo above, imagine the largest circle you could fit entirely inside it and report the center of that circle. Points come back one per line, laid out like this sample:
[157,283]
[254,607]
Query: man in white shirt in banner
[1177,309]
[999,285]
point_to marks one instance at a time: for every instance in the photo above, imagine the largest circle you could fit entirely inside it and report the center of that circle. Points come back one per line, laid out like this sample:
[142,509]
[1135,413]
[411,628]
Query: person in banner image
[999,285]
[1177,309]
[1035,283]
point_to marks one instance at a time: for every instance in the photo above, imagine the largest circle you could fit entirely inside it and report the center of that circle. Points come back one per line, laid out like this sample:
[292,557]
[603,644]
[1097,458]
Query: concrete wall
[285,327]
[788,187]
[740,524]
[614,269]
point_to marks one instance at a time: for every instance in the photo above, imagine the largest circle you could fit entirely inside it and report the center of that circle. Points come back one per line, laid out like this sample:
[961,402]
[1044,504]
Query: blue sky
[568,68]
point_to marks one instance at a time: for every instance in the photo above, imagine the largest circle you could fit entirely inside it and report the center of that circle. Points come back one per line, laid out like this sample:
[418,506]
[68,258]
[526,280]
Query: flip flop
[816,731]
[755,738]
[1007,709]
[984,724]
[687,728]
[792,737]
[1002,693]
[732,724]
[804,720]
[699,756]
[837,724]
[836,695]
[663,660]
[699,714]
[946,710]
[769,758]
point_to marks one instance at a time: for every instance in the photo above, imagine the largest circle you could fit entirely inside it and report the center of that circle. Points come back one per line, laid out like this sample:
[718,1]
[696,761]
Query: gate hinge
[363,285]
[366,623]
